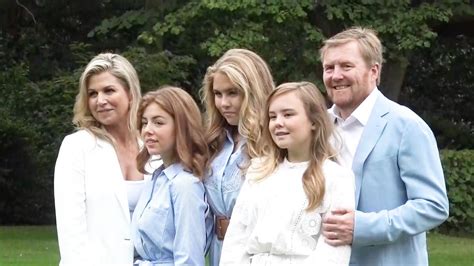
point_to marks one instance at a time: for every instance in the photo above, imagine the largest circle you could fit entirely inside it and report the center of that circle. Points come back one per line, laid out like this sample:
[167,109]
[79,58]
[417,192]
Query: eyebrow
[283,110]
[154,117]
[103,88]
[224,89]
[339,62]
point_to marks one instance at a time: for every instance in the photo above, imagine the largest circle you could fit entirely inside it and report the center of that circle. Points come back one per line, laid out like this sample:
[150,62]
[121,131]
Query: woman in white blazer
[96,181]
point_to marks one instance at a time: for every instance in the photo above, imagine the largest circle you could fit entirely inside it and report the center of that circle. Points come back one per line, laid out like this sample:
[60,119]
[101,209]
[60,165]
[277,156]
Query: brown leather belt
[222,223]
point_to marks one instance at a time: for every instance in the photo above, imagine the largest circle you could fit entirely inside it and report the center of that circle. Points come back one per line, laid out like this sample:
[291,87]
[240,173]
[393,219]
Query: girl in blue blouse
[234,92]
[172,222]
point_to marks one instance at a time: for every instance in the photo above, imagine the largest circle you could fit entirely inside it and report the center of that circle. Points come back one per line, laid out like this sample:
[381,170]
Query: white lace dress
[270,226]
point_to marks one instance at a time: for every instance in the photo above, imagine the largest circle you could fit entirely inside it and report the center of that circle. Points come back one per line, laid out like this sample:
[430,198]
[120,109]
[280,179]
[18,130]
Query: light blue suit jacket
[400,188]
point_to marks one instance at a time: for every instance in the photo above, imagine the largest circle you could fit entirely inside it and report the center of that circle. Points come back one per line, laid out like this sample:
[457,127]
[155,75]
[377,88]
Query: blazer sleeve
[427,204]
[70,202]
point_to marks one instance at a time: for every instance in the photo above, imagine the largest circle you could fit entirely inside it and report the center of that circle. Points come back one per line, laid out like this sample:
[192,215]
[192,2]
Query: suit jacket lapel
[370,136]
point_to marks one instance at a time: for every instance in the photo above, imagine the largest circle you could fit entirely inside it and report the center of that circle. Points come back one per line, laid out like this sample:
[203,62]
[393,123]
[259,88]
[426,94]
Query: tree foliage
[289,33]
[458,167]
[439,88]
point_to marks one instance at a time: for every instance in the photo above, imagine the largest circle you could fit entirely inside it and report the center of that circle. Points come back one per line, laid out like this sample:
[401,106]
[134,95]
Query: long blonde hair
[191,148]
[321,148]
[249,73]
[119,67]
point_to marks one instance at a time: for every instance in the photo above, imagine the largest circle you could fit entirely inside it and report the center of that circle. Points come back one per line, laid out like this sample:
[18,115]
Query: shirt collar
[170,172]
[231,140]
[361,113]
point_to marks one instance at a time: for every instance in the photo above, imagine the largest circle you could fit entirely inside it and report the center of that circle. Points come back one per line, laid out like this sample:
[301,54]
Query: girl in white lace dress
[287,193]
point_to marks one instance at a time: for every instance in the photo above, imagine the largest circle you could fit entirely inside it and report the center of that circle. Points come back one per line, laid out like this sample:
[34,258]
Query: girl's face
[227,98]
[107,99]
[290,126]
[158,132]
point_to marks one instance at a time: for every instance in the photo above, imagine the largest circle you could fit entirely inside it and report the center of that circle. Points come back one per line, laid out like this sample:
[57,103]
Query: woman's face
[158,132]
[227,98]
[108,99]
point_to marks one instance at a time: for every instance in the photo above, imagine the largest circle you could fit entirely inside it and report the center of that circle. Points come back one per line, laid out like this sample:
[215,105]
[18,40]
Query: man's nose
[337,73]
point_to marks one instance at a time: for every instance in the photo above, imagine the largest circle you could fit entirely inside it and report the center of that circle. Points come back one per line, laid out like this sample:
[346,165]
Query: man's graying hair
[367,40]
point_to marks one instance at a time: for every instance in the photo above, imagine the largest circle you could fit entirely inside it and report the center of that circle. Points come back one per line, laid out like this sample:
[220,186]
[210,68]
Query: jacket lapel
[117,182]
[372,132]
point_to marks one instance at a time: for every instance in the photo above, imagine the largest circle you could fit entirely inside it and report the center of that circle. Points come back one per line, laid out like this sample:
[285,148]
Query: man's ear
[375,70]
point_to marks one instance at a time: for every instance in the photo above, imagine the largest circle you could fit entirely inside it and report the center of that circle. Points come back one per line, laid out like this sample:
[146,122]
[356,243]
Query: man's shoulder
[400,113]
[401,120]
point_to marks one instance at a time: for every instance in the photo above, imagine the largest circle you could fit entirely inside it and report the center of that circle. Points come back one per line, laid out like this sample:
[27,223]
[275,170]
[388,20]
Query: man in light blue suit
[400,188]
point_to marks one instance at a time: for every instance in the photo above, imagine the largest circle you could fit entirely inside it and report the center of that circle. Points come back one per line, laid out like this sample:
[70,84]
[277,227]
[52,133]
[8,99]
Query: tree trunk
[393,74]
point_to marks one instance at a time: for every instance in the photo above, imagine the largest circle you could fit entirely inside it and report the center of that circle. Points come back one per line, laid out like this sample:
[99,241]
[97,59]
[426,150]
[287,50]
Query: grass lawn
[37,245]
[28,245]
[449,250]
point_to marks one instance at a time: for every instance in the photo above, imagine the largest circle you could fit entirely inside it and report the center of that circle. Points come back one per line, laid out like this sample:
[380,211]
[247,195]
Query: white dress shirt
[350,129]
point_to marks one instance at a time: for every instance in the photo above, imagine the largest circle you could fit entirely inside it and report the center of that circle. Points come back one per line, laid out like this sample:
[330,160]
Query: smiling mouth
[341,87]
[104,111]
[279,134]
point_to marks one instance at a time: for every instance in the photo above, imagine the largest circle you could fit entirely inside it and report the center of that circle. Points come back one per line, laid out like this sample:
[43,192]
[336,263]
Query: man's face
[347,77]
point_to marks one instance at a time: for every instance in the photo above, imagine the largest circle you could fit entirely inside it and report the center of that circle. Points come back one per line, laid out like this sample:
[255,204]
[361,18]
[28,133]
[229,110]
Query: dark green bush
[438,87]
[34,117]
[19,183]
[458,169]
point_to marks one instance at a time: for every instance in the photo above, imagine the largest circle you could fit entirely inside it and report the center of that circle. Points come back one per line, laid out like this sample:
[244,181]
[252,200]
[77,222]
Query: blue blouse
[172,223]
[223,186]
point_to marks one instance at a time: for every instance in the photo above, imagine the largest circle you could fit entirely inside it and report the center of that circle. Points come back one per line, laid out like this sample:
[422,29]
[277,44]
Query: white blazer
[92,212]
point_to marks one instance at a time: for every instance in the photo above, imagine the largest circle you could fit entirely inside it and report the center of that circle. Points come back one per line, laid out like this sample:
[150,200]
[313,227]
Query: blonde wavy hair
[119,67]
[321,148]
[250,74]
[191,148]
[369,44]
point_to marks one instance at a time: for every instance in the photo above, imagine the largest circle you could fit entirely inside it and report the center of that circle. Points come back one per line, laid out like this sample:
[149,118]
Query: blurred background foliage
[44,45]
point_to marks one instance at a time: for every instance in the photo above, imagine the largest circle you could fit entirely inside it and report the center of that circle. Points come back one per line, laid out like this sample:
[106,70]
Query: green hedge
[459,174]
